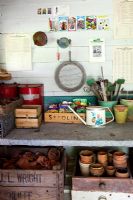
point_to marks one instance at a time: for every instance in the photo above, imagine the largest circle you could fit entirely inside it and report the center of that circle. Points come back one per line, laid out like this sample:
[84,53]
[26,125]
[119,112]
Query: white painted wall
[17,16]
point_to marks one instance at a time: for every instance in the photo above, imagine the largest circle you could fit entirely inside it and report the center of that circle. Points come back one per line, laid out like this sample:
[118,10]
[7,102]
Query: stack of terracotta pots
[86,159]
[103,163]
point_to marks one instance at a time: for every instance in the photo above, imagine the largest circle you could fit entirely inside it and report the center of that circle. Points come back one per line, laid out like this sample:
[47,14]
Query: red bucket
[8,91]
[33,94]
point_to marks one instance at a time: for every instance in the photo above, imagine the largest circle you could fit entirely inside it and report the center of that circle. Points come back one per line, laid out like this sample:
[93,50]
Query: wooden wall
[18,16]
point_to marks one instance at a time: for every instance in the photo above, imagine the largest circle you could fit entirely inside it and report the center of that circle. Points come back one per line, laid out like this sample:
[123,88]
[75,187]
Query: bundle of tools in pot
[104,90]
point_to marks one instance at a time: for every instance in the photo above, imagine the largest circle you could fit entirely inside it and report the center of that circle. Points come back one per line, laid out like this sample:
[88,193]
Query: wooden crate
[17,184]
[28,122]
[96,187]
[28,111]
[28,116]
[63,117]
[10,107]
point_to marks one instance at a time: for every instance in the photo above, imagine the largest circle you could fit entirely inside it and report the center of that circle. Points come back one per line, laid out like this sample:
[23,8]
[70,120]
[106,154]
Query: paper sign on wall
[18,52]
[123,63]
[97,50]
[123,19]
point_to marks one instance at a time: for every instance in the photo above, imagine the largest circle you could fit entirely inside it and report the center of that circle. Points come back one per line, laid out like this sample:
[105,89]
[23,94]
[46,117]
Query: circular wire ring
[58,80]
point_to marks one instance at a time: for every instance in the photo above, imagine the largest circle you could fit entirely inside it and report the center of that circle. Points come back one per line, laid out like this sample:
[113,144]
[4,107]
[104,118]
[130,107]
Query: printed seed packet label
[80,22]
[63,23]
[91,22]
[71,24]
[103,23]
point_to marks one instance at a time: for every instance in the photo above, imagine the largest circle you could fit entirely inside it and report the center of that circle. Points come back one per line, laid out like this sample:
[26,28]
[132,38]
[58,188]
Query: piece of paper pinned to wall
[97,50]
[123,19]
[123,63]
[18,52]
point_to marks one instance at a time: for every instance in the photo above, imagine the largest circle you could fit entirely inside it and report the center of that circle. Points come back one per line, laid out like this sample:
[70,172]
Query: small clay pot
[86,156]
[120,159]
[102,157]
[96,169]
[119,155]
[122,173]
[110,156]
[84,168]
[110,170]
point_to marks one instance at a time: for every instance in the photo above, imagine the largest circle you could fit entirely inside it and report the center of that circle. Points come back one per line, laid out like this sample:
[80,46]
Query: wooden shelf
[72,135]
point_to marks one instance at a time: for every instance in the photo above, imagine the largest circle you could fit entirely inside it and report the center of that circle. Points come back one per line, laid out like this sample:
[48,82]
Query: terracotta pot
[119,155]
[121,112]
[122,173]
[84,168]
[86,156]
[96,169]
[110,156]
[110,170]
[120,159]
[102,157]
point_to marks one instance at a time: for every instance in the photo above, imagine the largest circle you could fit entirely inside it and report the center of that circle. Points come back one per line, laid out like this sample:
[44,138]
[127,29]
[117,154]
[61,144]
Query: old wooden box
[6,108]
[18,184]
[28,116]
[28,111]
[105,187]
[63,117]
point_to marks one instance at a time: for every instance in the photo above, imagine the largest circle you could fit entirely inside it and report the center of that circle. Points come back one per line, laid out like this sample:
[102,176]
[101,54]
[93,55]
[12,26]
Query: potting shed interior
[66,91]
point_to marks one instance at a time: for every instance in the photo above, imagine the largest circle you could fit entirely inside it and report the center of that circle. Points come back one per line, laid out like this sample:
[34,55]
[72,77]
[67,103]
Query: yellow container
[120,112]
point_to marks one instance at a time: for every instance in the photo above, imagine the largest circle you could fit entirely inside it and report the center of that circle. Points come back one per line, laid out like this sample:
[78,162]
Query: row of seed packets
[64,23]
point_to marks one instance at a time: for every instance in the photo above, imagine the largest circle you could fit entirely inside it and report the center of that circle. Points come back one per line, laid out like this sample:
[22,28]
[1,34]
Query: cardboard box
[63,117]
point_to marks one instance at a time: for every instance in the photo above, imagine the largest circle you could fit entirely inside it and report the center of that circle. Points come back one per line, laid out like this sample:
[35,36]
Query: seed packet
[91,22]
[53,24]
[103,23]
[80,22]
[71,24]
[63,23]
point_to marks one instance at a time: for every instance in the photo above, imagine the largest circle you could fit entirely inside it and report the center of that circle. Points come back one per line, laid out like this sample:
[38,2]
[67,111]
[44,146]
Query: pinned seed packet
[80,22]
[63,23]
[103,23]
[53,24]
[71,24]
[91,22]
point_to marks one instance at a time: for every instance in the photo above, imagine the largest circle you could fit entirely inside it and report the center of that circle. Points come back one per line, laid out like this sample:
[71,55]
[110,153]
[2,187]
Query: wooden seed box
[28,111]
[28,116]
[28,122]
[16,184]
[62,117]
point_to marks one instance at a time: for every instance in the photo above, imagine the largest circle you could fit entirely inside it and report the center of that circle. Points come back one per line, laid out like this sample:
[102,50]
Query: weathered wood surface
[45,178]
[72,135]
[124,185]
[30,193]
